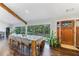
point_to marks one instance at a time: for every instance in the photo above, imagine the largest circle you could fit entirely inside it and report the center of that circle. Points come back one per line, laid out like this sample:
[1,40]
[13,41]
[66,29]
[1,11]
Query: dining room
[39,29]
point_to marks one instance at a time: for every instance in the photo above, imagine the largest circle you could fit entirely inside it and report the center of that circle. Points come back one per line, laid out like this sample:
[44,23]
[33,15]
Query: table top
[27,39]
[34,37]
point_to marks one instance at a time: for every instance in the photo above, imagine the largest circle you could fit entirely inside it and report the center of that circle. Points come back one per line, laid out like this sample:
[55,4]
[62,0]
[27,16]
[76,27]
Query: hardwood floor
[4,48]
[5,51]
[47,50]
[58,51]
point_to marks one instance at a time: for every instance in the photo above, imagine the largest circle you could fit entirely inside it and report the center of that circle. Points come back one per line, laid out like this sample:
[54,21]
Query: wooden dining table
[33,42]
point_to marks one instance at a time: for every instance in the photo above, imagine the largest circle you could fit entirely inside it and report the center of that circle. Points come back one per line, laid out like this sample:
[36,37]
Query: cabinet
[68,32]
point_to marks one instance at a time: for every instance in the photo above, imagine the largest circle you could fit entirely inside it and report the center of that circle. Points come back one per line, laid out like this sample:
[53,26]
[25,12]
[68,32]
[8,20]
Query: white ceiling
[31,12]
[7,18]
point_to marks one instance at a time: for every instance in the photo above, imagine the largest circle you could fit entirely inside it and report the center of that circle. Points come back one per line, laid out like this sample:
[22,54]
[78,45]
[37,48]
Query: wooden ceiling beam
[11,12]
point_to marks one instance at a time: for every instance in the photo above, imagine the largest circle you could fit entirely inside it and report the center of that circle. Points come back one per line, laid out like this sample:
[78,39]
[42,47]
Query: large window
[42,30]
[20,30]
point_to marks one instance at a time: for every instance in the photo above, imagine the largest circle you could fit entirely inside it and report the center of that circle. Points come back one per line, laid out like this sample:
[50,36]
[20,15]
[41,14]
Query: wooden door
[67,32]
[77,37]
[67,36]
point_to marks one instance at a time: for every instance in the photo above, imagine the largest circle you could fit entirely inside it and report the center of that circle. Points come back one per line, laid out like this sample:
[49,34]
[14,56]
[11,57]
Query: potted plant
[54,41]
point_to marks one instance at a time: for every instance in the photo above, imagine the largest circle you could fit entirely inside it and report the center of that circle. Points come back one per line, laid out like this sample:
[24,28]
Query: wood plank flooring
[4,50]
[58,51]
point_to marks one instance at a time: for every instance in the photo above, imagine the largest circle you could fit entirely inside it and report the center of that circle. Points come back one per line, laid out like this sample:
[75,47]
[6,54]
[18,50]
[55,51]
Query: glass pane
[20,30]
[67,24]
[42,30]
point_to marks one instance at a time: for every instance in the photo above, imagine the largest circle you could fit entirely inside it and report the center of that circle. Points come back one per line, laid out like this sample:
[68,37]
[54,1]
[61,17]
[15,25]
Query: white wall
[3,26]
[53,26]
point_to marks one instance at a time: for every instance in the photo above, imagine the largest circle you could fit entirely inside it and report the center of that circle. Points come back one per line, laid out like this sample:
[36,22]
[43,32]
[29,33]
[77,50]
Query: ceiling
[31,12]
[7,18]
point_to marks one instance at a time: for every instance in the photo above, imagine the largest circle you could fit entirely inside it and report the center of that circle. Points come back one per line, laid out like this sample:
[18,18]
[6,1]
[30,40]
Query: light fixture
[70,9]
[27,11]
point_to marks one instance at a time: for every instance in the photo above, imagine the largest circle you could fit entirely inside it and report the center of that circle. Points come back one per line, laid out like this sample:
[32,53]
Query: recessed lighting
[27,11]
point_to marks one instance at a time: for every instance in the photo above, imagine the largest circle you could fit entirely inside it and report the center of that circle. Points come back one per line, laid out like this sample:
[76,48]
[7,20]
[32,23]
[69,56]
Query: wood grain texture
[66,32]
[12,12]
[33,48]
[77,37]
[67,36]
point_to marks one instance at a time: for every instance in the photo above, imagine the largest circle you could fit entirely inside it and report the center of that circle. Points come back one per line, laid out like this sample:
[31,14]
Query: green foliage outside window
[20,30]
[42,30]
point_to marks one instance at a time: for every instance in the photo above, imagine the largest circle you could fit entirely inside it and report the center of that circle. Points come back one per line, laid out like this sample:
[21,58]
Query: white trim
[65,19]
[60,32]
[75,33]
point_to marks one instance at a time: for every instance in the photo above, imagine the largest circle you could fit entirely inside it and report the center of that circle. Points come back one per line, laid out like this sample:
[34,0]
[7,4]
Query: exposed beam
[11,12]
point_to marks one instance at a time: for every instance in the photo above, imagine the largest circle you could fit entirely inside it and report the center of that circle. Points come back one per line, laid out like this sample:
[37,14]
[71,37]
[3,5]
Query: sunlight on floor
[69,47]
[4,48]
[46,51]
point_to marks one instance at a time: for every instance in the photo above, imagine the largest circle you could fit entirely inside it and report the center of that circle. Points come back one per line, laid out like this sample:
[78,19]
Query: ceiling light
[27,11]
